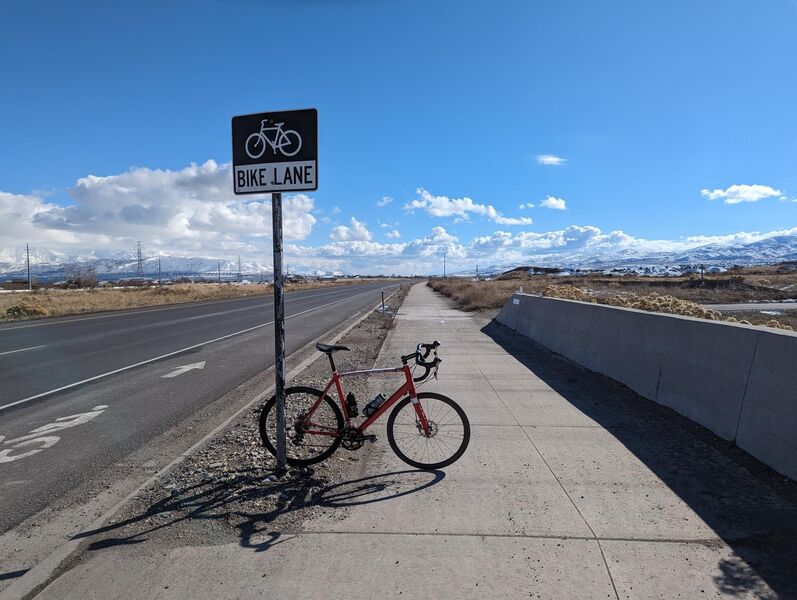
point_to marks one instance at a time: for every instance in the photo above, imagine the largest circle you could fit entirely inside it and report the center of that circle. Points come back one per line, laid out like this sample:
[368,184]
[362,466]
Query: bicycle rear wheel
[310,438]
[447,441]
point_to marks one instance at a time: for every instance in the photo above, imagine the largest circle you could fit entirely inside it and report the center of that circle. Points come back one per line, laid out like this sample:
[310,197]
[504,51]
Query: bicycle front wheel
[447,439]
[311,436]
[290,143]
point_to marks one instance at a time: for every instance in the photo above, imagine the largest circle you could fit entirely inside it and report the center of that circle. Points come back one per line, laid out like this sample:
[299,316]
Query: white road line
[161,357]
[172,307]
[21,350]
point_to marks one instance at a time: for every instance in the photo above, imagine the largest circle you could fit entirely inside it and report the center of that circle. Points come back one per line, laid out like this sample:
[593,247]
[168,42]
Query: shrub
[26,309]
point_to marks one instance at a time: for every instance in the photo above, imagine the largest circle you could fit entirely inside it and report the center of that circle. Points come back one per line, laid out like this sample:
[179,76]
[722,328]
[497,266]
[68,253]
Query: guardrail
[739,381]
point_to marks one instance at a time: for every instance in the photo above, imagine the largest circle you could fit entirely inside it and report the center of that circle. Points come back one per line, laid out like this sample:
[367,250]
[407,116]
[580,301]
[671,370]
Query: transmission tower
[139,260]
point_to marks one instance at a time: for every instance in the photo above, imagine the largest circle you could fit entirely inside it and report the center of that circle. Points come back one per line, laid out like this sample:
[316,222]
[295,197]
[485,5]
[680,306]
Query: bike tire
[257,137]
[418,464]
[287,135]
[290,404]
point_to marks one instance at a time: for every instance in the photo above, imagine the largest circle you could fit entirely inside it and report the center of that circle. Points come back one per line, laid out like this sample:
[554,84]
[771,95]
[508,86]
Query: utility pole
[30,280]
[238,276]
[279,329]
[444,264]
[477,272]
[159,271]
[139,260]
[219,272]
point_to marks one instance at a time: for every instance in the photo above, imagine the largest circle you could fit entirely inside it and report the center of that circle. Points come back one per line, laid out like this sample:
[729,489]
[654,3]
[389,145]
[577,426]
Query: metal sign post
[279,329]
[275,152]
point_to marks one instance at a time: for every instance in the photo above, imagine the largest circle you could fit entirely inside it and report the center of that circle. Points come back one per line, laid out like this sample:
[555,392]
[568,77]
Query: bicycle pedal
[370,438]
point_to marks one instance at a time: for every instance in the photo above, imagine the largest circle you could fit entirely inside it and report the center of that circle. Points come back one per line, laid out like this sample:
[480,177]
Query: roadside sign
[275,151]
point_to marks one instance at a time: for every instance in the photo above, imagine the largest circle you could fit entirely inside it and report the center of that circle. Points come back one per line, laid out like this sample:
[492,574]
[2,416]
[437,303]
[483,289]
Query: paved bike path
[572,487]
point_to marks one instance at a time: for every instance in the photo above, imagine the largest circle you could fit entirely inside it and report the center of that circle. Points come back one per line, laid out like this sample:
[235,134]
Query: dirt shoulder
[59,303]
[222,493]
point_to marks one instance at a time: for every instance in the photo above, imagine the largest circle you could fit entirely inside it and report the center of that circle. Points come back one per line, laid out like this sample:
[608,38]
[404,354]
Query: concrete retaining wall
[739,381]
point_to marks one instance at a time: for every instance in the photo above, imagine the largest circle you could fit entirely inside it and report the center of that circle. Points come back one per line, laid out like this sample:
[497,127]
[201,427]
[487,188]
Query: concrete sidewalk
[572,487]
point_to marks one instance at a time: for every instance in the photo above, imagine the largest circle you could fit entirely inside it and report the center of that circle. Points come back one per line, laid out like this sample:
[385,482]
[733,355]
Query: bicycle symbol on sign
[288,142]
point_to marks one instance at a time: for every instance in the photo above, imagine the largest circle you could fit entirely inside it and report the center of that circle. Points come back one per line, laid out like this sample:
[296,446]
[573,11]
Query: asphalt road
[750,306]
[79,394]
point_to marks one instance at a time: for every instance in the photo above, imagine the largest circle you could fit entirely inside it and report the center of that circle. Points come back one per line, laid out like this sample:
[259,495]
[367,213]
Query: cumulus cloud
[358,232]
[523,205]
[557,247]
[554,203]
[737,194]
[191,210]
[384,201]
[393,234]
[460,208]
[550,160]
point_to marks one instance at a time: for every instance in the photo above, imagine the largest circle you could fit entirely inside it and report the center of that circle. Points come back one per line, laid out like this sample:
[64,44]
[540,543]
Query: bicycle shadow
[238,501]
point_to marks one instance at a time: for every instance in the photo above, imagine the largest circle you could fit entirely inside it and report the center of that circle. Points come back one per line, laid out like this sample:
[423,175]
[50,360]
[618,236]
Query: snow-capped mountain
[47,264]
[767,251]
[111,264]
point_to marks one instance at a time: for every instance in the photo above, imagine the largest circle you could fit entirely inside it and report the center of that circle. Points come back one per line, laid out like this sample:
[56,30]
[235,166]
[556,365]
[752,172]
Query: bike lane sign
[275,151]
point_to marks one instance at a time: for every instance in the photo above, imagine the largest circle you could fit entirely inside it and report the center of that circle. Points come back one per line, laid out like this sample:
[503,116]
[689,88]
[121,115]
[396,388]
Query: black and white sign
[275,151]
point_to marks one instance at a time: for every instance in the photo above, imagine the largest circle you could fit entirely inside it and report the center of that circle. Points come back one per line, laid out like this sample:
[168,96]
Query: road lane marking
[170,354]
[35,437]
[22,350]
[184,369]
[184,305]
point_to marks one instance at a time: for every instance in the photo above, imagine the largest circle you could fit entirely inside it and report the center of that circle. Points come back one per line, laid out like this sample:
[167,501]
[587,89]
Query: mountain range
[113,264]
[767,251]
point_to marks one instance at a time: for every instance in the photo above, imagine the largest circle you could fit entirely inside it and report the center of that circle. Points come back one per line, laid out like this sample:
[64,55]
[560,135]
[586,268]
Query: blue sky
[427,103]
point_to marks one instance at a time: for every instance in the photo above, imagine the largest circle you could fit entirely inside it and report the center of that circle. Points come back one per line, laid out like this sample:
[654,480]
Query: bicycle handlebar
[421,352]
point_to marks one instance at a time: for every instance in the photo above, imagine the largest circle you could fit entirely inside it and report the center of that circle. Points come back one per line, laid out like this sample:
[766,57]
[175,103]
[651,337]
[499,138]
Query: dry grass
[56,303]
[475,295]
[484,295]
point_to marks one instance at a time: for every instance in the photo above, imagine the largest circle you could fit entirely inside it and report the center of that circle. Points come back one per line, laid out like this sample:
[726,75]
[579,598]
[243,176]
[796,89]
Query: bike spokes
[430,435]
[312,427]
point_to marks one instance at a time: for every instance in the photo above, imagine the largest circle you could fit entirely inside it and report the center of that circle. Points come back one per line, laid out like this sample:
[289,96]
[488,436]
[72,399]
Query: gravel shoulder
[223,494]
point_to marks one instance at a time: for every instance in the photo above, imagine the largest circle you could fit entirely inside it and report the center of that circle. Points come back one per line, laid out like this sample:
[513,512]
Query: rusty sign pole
[279,329]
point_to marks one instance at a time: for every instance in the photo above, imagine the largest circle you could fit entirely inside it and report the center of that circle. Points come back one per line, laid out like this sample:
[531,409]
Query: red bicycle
[426,430]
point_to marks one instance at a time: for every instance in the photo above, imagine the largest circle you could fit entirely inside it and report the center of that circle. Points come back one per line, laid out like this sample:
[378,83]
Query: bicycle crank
[353,439]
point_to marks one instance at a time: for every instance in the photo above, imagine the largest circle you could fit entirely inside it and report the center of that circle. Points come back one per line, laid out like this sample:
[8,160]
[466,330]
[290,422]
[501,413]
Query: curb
[39,576]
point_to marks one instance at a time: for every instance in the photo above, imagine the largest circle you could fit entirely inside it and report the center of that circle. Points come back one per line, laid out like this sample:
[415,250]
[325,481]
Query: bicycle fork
[424,424]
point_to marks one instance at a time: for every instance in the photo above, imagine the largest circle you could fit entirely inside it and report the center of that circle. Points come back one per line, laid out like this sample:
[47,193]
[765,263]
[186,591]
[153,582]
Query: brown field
[675,295]
[56,303]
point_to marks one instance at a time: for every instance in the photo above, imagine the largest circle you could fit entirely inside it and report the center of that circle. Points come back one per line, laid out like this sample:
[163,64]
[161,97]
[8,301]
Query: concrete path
[572,487]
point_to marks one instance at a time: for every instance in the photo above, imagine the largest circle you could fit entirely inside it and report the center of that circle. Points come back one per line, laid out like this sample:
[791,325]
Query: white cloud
[336,210]
[192,212]
[460,208]
[737,194]
[523,205]
[554,203]
[550,160]
[188,210]
[422,255]
[358,232]
[384,201]
[194,202]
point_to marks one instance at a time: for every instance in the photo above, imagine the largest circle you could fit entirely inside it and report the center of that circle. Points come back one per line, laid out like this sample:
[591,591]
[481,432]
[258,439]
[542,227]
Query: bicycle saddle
[330,348]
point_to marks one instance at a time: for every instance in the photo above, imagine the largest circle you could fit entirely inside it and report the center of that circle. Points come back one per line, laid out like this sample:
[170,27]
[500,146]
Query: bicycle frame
[407,388]
[277,136]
